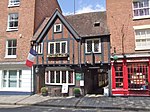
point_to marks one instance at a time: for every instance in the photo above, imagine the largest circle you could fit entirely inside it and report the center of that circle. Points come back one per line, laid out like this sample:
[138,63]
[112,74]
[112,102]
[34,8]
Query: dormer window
[57,28]
[13,3]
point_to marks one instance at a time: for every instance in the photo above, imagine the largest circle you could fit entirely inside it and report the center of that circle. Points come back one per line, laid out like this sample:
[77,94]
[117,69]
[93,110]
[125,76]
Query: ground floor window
[12,79]
[138,77]
[59,77]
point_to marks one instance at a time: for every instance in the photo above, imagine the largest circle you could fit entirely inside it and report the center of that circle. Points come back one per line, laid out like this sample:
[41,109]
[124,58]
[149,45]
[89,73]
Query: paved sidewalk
[89,101]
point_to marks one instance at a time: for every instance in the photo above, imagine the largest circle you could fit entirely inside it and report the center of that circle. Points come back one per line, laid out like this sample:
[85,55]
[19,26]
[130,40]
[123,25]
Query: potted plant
[44,91]
[77,92]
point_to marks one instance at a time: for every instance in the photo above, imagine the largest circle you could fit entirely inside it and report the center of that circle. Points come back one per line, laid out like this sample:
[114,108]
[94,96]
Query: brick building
[129,24]
[73,52]
[19,20]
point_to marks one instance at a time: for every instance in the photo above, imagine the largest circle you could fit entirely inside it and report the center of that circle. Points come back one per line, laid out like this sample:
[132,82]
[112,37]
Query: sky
[81,6]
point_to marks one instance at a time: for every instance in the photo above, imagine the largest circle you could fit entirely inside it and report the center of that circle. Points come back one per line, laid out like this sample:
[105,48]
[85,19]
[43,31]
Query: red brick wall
[119,14]
[44,8]
[119,18]
[30,16]
[25,28]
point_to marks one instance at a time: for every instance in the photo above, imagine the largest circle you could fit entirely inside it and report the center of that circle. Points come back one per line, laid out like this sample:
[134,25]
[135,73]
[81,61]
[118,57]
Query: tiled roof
[86,25]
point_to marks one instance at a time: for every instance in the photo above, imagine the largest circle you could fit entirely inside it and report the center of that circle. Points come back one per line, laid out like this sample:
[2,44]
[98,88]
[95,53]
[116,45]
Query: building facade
[73,52]
[129,24]
[19,20]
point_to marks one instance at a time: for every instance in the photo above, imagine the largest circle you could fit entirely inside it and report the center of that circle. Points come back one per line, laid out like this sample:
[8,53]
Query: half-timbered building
[73,52]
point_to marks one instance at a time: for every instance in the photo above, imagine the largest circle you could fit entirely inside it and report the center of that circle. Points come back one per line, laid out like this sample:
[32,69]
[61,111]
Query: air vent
[96,24]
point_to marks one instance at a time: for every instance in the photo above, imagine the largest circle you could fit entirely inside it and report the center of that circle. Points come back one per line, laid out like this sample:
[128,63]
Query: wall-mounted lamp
[36,69]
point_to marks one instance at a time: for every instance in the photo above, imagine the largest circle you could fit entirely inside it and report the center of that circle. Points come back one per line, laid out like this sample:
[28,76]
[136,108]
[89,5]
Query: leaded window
[57,47]
[93,45]
[59,77]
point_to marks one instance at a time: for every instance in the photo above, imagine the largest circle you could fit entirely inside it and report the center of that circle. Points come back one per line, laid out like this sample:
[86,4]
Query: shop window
[138,77]
[12,79]
[59,77]
[119,76]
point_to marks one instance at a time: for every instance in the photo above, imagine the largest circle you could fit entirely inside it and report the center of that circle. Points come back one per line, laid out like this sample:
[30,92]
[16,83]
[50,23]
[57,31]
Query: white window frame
[47,74]
[39,48]
[13,3]
[143,16]
[93,46]
[19,79]
[60,42]
[138,28]
[55,29]
[12,47]
[14,28]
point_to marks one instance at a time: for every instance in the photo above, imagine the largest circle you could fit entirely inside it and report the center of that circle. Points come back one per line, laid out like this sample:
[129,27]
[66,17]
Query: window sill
[141,17]
[93,53]
[11,30]
[143,48]
[58,84]
[11,57]
[11,6]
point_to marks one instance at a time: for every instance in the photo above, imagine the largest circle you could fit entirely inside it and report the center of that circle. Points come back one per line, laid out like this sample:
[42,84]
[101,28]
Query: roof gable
[38,37]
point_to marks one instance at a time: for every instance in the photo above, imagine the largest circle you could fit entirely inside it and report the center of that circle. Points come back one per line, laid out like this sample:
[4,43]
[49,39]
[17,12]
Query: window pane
[57,77]
[4,78]
[51,48]
[14,51]
[89,46]
[135,4]
[57,47]
[52,80]
[63,47]
[9,51]
[57,28]
[4,83]
[70,77]
[63,76]
[13,21]
[13,78]
[96,45]
[47,77]
[20,78]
